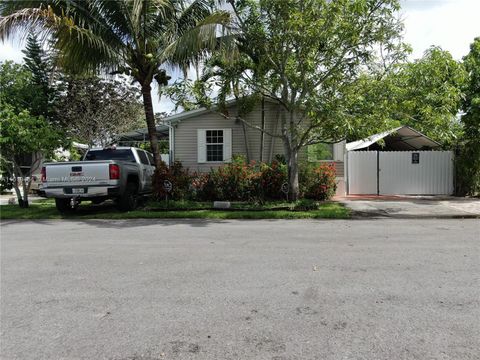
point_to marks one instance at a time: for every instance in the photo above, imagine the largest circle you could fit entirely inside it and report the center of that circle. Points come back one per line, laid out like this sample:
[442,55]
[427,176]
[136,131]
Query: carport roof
[401,138]
[142,134]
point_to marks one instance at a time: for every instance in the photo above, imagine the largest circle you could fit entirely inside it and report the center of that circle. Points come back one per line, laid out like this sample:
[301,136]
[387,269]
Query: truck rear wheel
[128,201]
[63,206]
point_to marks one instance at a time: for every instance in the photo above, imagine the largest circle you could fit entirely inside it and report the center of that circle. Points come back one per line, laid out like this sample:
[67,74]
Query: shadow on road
[121,223]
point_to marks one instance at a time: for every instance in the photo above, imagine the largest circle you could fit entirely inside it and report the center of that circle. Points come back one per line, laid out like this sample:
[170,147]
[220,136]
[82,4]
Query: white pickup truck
[119,173]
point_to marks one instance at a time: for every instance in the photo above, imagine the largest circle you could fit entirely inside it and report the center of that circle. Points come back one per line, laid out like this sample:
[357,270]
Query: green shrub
[180,178]
[317,181]
[467,169]
[242,181]
[236,181]
[272,177]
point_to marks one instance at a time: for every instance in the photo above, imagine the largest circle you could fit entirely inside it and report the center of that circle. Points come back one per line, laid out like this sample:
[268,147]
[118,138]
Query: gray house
[203,139]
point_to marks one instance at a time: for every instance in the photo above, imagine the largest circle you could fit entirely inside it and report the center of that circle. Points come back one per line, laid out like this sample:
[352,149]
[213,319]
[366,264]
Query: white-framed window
[214,145]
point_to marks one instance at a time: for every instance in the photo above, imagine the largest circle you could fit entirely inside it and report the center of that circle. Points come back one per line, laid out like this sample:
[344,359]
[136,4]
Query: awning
[401,138]
[142,134]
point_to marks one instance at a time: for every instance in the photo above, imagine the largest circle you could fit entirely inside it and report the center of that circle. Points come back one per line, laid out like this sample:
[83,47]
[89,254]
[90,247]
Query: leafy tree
[468,179]
[425,94]
[307,56]
[430,94]
[188,95]
[15,85]
[93,110]
[140,38]
[25,138]
[24,135]
[38,62]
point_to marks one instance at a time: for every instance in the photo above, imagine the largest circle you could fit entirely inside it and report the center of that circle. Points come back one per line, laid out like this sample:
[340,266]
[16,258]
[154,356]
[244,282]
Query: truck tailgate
[77,173]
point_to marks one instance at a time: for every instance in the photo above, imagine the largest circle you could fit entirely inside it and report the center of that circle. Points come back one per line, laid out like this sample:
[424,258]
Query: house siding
[186,137]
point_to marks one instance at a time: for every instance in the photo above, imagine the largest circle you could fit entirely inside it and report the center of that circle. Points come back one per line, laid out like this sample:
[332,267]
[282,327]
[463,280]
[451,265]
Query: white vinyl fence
[400,172]
[362,172]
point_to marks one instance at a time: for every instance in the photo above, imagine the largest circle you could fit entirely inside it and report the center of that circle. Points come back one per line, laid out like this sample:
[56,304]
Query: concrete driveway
[138,289]
[413,207]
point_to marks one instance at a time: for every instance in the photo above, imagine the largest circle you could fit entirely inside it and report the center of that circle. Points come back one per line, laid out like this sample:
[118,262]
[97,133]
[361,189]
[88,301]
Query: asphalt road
[365,289]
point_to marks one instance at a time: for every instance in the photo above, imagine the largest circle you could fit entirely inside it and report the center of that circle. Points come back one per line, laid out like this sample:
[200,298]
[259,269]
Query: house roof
[192,113]
[401,138]
[162,130]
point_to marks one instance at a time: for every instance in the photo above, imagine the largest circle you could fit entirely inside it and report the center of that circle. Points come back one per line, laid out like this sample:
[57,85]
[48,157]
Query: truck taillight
[114,171]
[44,174]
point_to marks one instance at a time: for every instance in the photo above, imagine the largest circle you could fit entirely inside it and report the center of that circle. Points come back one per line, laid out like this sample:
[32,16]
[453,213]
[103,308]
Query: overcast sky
[451,24]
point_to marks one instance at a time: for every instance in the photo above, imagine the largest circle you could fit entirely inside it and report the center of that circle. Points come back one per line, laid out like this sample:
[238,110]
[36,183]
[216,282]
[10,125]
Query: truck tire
[63,206]
[128,201]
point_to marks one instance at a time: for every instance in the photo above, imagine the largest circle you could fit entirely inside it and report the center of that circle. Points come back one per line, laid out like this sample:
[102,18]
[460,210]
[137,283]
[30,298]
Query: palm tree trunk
[150,117]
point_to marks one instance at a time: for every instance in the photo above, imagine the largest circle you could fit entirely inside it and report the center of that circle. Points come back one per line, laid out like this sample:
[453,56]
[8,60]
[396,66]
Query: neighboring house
[203,139]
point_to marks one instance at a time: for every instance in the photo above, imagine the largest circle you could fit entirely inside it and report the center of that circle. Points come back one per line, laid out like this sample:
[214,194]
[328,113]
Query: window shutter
[227,145]
[201,146]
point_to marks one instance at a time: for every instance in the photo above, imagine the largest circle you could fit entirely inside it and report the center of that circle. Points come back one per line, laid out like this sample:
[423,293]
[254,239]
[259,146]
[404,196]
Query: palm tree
[140,38]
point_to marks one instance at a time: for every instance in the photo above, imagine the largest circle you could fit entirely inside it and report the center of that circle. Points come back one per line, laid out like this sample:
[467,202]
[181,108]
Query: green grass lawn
[45,209]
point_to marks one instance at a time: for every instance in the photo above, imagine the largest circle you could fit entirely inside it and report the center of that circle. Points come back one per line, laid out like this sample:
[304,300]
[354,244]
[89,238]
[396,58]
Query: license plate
[78,191]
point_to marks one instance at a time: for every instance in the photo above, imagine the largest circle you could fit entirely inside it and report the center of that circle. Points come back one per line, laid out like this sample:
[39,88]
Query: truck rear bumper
[88,192]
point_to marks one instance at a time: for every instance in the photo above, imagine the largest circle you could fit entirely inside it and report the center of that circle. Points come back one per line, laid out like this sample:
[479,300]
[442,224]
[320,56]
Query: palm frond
[197,11]
[196,41]
[113,15]
[107,35]
[83,50]
[25,20]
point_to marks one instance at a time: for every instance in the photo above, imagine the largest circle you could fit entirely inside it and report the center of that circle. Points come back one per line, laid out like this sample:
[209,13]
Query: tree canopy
[28,132]
[39,63]
[469,156]
[16,85]
[94,110]
[139,38]
[23,135]
[425,94]
[307,56]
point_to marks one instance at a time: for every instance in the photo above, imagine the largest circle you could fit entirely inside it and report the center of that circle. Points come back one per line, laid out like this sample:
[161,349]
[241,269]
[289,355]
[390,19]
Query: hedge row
[242,181]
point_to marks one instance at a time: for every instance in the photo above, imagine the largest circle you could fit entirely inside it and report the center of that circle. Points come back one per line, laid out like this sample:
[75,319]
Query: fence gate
[400,172]
[362,172]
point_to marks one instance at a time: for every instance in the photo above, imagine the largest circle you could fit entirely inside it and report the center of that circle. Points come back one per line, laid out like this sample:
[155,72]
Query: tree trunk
[18,193]
[150,117]
[18,175]
[26,189]
[293,184]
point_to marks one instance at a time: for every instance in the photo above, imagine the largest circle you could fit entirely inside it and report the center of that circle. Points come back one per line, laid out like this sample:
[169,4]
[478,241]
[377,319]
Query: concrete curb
[368,215]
